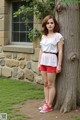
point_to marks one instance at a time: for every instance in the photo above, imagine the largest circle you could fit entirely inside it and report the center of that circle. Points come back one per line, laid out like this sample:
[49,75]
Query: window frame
[10,35]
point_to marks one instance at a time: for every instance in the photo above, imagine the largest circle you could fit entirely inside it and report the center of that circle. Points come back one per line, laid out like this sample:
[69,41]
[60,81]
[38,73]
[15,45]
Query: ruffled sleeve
[59,37]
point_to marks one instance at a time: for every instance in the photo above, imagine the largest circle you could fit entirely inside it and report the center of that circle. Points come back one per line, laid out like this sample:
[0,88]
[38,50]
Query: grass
[15,92]
[74,117]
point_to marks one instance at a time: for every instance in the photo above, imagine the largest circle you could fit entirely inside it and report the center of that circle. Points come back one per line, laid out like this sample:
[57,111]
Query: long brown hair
[44,22]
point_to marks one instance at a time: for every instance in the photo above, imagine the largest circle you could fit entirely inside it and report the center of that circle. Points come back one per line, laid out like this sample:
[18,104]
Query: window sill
[18,48]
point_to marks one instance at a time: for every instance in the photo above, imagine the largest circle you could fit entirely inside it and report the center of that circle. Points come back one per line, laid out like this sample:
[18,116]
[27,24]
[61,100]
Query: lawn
[15,92]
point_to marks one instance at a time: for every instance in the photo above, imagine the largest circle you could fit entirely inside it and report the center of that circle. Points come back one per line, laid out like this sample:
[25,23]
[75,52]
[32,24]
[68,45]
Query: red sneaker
[43,106]
[46,109]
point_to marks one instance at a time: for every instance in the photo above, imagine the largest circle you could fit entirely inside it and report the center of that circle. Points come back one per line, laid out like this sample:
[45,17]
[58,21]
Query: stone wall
[4,22]
[20,66]
[17,63]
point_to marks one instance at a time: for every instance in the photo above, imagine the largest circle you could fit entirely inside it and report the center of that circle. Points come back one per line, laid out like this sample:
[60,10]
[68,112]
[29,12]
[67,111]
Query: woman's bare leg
[51,85]
[46,91]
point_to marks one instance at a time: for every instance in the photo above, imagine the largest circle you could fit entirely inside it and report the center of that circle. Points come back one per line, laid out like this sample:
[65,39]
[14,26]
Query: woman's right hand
[58,70]
[40,53]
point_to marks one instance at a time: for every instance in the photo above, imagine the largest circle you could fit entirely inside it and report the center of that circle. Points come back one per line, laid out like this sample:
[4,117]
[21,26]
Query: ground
[30,109]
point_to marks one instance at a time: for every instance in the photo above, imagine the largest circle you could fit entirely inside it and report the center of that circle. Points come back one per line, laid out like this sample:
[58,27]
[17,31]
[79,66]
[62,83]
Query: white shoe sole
[45,111]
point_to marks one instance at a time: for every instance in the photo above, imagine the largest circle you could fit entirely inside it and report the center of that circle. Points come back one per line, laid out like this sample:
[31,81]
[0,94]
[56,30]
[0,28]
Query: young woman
[49,63]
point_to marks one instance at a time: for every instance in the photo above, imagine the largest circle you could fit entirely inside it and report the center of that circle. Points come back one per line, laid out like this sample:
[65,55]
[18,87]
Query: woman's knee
[45,84]
[51,84]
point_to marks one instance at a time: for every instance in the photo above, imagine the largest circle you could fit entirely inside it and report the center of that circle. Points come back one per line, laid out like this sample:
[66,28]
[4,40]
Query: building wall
[17,62]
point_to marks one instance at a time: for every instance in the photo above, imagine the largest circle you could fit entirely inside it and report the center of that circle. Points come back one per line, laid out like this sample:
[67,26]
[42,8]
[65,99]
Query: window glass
[19,29]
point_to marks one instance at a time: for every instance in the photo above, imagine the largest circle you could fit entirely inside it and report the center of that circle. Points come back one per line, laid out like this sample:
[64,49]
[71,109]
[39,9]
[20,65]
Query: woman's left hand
[58,70]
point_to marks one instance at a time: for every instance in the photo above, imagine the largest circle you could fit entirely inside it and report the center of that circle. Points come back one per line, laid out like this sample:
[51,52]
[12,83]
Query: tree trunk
[68,80]
[78,82]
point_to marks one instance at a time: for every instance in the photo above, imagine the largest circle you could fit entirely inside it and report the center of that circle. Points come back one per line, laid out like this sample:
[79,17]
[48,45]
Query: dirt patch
[30,109]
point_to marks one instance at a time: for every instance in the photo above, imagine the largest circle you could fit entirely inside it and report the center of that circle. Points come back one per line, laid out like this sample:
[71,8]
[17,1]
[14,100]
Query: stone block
[2,55]
[36,21]
[3,34]
[28,65]
[8,55]
[38,26]
[1,25]
[20,75]
[22,64]
[35,56]
[36,43]
[12,63]
[1,9]
[1,41]
[14,55]
[18,48]
[14,72]
[20,56]
[29,74]
[2,62]
[6,72]
[6,24]
[38,79]
[34,67]
[2,2]
[27,57]
[1,16]
[0,49]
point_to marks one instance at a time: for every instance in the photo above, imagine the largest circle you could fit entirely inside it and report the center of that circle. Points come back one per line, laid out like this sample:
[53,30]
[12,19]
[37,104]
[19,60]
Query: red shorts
[47,68]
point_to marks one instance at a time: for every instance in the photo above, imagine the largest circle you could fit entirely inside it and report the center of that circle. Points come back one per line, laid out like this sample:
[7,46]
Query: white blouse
[49,44]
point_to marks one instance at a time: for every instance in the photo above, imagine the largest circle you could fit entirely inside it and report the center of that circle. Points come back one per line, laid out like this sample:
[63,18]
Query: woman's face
[50,24]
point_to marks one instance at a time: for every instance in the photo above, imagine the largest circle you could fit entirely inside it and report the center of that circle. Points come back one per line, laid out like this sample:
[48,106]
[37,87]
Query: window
[19,31]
